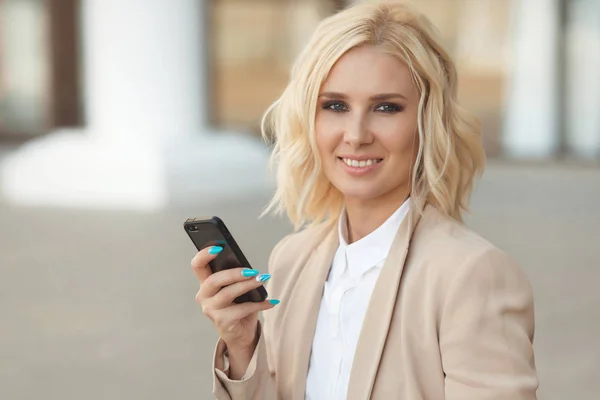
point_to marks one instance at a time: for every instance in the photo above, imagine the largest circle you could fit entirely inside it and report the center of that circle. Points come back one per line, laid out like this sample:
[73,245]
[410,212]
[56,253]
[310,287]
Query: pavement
[100,305]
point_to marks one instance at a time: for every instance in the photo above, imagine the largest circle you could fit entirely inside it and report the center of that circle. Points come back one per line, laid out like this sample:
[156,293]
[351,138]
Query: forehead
[368,70]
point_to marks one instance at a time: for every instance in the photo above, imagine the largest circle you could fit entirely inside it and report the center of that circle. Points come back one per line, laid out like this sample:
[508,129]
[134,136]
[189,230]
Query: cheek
[398,137]
[326,134]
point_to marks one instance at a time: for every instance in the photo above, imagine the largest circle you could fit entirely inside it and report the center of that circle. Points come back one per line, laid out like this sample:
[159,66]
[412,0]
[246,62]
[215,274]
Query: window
[38,66]
[253,44]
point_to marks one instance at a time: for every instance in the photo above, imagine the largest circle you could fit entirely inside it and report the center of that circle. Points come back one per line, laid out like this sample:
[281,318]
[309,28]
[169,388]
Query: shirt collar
[368,252]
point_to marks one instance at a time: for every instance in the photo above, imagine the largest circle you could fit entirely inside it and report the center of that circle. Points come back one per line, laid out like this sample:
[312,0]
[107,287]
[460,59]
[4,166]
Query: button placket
[338,293]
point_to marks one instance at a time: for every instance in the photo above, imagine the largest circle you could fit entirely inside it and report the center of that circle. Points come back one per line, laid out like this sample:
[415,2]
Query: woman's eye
[389,108]
[335,106]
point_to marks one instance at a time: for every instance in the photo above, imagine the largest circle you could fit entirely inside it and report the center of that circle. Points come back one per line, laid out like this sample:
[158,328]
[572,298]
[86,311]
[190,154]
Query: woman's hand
[236,324]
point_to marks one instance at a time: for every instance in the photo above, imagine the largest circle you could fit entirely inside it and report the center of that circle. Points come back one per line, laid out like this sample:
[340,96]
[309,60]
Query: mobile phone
[205,232]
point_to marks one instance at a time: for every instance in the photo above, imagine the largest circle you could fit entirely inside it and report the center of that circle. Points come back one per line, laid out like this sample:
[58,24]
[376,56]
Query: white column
[144,68]
[147,143]
[583,78]
[531,127]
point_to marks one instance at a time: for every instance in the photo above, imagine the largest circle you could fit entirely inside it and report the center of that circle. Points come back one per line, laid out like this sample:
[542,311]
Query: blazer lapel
[377,320]
[301,316]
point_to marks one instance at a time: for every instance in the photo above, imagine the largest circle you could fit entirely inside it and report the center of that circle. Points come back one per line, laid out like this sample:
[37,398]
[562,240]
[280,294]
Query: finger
[219,280]
[200,262]
[224,297]
[236,312]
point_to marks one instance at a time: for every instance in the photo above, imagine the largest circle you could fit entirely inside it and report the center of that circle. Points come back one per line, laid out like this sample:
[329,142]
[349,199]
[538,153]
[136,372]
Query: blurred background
[121,118]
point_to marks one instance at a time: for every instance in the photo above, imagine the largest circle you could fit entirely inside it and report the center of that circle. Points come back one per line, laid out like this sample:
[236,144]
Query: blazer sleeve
[486,331]
[258,383]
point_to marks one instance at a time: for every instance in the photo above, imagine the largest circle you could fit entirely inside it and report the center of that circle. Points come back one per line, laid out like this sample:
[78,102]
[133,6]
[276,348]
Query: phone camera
[192,228]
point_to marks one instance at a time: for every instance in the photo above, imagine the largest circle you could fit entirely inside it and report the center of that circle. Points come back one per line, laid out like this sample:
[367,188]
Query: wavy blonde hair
[450,152]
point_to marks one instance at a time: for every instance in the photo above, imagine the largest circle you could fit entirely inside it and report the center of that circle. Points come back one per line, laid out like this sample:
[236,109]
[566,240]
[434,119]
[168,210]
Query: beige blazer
[450,317]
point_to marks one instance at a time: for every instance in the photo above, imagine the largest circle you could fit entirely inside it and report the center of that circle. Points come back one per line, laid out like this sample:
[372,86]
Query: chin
[361,193]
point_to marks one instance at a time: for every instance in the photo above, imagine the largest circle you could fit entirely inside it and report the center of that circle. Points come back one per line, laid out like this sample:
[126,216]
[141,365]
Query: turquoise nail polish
[215,250]
[249,272]
[274,301]
[263,277]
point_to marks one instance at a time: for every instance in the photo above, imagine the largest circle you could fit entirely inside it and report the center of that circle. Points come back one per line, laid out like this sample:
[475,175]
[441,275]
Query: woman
[386,294]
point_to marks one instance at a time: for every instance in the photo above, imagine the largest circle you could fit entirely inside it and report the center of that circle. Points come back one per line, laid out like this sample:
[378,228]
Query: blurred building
[135,103]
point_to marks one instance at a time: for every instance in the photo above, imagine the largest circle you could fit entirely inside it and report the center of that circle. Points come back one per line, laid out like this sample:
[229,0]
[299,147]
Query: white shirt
[346,295]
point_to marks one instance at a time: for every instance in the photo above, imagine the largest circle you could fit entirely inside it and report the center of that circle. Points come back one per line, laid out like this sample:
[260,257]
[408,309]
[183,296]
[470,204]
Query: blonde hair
[450,152]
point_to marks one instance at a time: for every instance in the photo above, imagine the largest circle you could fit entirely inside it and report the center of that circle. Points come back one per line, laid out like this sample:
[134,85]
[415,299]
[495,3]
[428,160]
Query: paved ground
[100,305]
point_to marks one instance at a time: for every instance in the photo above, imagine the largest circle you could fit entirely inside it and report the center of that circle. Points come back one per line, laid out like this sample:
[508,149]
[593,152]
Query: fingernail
[263,277]
[215,250]
[274,301]
[249,272]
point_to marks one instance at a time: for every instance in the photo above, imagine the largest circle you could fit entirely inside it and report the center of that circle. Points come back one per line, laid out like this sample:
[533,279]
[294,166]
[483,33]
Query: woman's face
[366,126]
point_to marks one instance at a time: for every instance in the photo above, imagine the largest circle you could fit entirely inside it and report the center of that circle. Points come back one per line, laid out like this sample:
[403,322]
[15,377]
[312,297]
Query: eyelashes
[335,106]
[389,108]
[340,106]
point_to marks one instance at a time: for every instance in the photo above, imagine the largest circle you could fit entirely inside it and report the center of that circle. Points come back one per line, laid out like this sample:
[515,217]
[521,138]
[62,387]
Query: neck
[364,216]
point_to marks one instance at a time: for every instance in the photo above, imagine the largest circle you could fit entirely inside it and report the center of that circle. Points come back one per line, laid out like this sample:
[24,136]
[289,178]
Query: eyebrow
[378,97]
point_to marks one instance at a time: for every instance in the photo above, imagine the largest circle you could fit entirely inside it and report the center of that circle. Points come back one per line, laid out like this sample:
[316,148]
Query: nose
[357,131]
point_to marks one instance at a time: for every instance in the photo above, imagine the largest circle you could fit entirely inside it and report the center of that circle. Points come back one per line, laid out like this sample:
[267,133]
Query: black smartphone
[206,232]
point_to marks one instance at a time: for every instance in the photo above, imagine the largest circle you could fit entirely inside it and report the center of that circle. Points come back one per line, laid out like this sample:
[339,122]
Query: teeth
[360,164]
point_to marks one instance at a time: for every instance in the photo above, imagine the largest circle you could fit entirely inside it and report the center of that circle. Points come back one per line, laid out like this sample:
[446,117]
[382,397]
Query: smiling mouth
[360,163]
